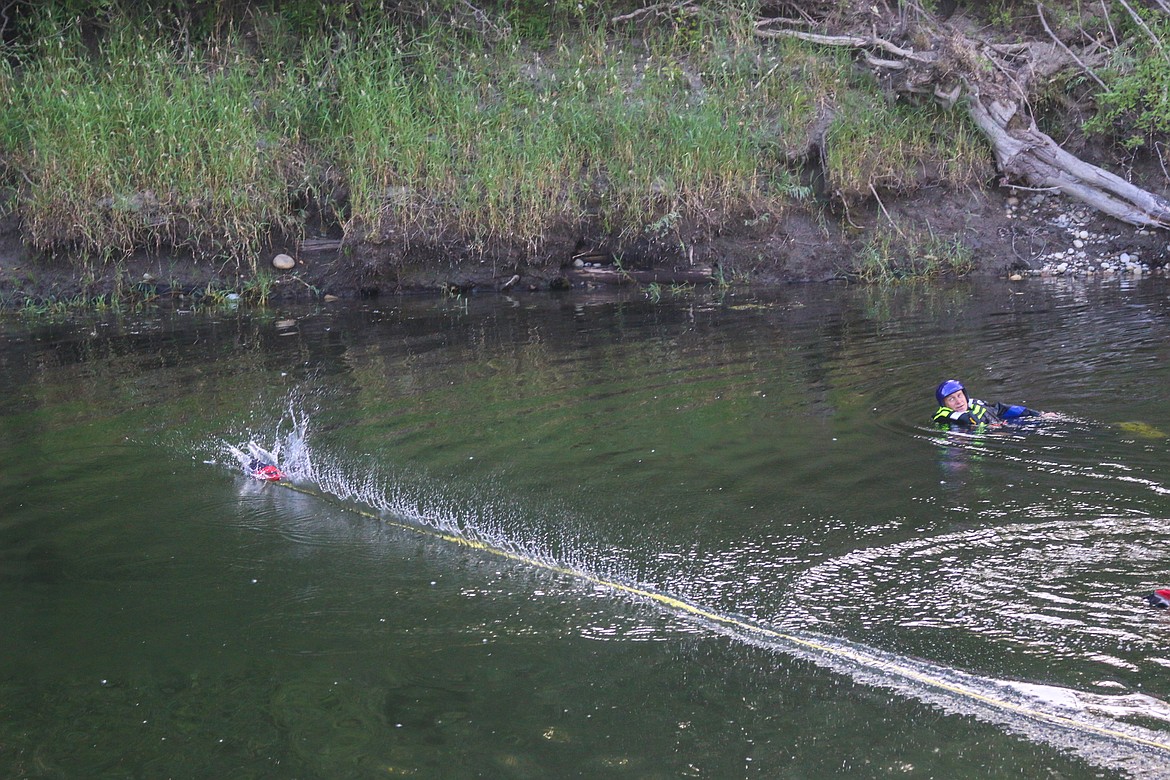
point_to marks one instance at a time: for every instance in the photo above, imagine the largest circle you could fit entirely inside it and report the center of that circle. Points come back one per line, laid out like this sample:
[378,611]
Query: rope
[681,606]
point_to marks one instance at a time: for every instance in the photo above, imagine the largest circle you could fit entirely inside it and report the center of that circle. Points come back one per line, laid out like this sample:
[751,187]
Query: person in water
[1159,598]
[956,408]
[265,472]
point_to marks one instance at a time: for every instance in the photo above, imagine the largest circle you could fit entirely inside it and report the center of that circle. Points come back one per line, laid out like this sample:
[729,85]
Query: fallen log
[991,81]
[614,275]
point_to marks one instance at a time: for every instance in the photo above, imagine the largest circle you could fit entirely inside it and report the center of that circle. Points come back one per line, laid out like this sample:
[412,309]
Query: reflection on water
[765,458]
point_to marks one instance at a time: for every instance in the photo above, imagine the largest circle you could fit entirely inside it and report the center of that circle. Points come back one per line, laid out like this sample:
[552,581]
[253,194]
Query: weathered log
[992,82]
[613,275]
[1031,157]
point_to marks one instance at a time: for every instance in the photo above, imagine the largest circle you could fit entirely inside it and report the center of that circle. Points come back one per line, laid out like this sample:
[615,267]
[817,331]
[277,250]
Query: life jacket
[977,414]
[981,413]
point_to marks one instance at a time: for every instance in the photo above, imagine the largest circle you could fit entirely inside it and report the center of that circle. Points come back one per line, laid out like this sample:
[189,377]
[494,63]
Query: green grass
[893,256]
[144,146]
[873,144]
[143,141]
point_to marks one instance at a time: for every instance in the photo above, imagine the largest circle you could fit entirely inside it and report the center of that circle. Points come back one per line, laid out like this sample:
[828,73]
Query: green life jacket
[979,415]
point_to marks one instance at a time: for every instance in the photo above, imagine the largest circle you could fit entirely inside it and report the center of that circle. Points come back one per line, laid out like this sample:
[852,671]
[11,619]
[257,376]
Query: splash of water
[288,446]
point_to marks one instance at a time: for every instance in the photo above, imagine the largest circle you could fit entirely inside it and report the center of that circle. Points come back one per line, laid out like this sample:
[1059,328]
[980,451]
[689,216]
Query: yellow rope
[686,607]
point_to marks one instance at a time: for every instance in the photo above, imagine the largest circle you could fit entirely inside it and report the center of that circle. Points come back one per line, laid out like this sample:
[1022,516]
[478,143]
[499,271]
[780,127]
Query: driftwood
[614,275]
[992,82]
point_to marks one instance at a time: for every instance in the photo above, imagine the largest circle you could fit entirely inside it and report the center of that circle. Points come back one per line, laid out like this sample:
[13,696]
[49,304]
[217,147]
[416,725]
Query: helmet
[948,387]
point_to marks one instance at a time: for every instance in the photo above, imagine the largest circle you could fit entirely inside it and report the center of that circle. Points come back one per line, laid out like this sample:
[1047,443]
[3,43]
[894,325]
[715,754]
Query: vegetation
[891,255]
[216,127]
[141,138]
[1135,103]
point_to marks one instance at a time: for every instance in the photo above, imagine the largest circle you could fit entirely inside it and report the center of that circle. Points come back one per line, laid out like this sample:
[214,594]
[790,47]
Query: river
[709,534]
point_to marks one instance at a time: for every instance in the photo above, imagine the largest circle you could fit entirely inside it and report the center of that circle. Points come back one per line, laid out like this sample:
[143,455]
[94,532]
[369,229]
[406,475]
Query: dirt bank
[1010,233]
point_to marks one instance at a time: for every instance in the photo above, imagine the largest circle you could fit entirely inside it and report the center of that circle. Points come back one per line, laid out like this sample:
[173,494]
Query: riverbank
[1011,235]
[389,155]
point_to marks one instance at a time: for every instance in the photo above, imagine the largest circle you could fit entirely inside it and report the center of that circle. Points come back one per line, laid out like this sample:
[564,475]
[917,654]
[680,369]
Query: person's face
[956,401]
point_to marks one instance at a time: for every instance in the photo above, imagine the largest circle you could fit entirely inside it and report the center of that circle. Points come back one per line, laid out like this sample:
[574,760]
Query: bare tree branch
[659,9]
[851,41]
[1067,50]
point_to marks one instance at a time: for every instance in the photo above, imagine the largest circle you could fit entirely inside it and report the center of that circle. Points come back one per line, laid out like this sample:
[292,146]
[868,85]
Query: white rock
[1124,257]
[1062,268]
[1079,244]
[283,262]
[1083,234]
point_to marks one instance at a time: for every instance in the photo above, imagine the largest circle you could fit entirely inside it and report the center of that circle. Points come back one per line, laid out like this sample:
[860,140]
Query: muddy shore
[1012,233]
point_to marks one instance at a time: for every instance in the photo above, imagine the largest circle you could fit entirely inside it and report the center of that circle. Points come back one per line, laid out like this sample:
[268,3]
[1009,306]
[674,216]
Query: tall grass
[503,147]
[913,254]
[145,145]
[148,142]
[873,143]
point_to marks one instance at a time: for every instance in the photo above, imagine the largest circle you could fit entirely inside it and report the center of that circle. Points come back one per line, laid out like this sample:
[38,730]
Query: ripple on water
[1061,589]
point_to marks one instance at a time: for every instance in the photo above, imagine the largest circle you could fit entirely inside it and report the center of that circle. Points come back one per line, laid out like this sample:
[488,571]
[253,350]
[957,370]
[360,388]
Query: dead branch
[1067,50]
[850,41]
[1034,158]
[659,9]
[993,81]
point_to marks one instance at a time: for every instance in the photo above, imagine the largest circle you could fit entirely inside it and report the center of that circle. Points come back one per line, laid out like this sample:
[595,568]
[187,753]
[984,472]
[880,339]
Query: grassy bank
[144,140]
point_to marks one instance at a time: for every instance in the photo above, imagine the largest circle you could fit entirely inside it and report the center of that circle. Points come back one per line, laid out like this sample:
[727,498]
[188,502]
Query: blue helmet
[948,387]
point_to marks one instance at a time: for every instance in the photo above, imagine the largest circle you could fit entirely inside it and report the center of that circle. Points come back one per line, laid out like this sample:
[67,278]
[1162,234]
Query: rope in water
[685,607]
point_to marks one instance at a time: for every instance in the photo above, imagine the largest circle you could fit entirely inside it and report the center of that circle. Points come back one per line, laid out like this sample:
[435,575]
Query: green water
[765,457]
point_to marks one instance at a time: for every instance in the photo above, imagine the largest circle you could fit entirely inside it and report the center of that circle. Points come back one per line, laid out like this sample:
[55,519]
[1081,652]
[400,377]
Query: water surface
[930,604]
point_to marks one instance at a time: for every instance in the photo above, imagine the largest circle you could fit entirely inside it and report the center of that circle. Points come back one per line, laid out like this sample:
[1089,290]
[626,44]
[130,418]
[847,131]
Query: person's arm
[1013,411]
